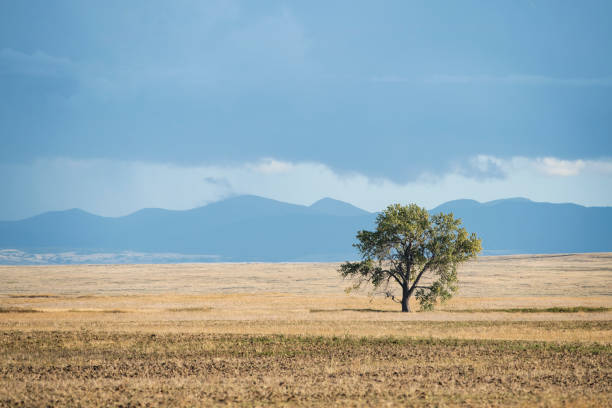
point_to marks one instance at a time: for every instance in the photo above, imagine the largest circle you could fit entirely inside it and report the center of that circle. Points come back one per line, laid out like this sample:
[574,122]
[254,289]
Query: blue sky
[114,106]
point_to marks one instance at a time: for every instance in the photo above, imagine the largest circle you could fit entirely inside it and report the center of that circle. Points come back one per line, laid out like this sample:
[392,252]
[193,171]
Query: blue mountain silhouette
[251,228]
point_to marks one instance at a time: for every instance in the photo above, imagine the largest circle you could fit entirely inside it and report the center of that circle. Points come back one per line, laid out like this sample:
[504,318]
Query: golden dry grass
[494,276]
[303,315]
[286,334]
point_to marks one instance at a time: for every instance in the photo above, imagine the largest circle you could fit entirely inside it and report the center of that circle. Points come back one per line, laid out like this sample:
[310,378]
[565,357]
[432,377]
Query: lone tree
[410,247]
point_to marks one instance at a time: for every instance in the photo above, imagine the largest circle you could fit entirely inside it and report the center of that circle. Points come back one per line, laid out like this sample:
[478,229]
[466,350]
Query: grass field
[524,330]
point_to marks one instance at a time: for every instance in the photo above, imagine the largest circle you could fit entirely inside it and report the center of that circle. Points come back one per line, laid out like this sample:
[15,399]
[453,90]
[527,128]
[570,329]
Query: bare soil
[113,369]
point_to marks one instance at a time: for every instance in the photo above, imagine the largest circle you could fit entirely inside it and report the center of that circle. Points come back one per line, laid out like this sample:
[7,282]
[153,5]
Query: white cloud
[556,167]
[271,166]
[113,188]
[482,167]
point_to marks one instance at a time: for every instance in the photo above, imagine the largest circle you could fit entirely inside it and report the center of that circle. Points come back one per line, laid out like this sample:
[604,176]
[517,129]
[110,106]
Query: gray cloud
[22,73]
[536,80]
[222,182]
[482,167]
[233,81]
[35,64]
[520,80]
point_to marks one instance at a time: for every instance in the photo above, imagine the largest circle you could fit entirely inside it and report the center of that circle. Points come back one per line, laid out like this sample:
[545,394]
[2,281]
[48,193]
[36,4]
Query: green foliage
[408,245]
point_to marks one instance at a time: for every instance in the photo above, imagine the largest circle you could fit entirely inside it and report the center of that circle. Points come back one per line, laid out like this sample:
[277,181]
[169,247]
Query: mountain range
[251,228]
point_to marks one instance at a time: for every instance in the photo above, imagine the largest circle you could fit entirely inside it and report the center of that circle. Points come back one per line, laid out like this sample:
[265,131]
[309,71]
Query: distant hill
[330,206]
[251,228]
[244,228]
[518,225]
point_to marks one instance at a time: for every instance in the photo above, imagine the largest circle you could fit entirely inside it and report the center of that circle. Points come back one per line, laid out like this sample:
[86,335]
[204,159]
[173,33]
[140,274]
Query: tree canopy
[415,250]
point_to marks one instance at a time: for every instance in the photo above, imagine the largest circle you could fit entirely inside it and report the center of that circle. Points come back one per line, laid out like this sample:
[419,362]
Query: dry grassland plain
[523,330]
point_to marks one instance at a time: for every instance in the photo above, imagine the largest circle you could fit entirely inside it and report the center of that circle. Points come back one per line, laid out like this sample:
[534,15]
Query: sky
[115,106]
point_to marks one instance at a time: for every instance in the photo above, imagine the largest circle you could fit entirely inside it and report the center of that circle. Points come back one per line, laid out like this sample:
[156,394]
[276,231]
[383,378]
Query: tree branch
[416,281]
[394,275]
[408,260]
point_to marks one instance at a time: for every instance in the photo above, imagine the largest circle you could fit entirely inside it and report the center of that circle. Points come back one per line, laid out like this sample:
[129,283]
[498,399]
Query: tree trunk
[405,299]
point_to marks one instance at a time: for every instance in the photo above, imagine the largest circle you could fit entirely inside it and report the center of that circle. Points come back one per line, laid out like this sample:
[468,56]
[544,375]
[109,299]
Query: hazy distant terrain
[250,228]
[45,257]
